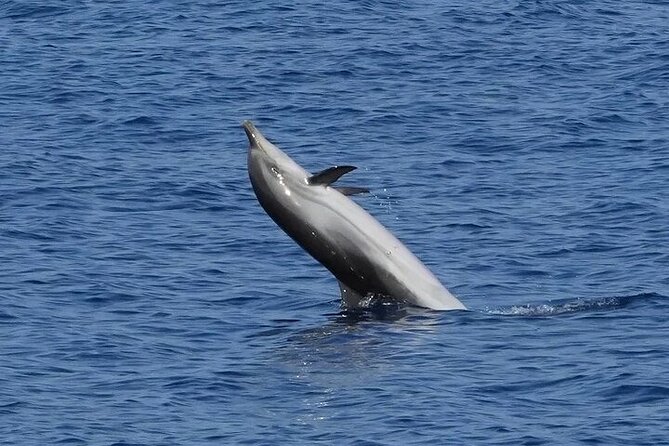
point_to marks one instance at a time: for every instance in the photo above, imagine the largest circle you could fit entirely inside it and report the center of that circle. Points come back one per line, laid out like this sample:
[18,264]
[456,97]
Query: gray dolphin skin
[363,255]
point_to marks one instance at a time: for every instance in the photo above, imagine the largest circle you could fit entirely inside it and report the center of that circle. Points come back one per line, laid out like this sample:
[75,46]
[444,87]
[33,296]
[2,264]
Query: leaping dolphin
[363,255]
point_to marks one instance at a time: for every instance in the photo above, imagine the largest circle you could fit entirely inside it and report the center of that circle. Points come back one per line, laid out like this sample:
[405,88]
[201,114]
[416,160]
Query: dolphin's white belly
[362,239]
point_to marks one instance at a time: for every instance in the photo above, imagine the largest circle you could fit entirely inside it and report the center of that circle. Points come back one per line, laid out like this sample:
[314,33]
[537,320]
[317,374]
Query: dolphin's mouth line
[249,129]
[251,134]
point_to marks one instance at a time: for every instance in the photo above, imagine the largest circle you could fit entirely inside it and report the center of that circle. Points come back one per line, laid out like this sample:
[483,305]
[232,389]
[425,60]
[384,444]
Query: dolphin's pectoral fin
[330,175]
[350,298]
[352,190]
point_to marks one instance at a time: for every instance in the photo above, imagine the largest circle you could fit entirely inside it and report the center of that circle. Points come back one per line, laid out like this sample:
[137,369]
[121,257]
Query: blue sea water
[520,148]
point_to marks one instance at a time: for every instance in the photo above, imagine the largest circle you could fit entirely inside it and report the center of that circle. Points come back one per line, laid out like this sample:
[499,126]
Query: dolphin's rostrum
[363,255]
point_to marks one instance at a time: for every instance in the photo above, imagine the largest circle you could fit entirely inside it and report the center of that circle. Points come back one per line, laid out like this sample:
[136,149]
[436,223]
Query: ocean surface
[519,148]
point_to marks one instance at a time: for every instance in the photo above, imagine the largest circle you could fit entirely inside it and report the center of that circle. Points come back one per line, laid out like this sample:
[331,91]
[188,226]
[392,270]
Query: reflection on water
[357,343]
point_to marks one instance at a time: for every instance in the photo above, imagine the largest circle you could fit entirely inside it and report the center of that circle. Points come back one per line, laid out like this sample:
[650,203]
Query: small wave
[579,305]
[30,10]
[140,121]
[636,393]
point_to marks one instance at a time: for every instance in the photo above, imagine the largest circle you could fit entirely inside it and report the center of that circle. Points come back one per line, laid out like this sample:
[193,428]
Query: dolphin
[364,256]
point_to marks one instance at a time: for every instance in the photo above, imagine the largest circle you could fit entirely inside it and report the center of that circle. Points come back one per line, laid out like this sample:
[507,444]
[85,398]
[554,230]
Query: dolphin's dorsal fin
[329,175]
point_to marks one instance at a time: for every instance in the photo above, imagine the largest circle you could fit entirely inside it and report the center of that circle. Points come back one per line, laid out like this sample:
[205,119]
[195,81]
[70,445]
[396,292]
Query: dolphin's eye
[275,170]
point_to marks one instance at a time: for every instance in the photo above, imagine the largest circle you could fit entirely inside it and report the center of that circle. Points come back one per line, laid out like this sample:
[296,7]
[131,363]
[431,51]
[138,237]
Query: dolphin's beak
[251,132]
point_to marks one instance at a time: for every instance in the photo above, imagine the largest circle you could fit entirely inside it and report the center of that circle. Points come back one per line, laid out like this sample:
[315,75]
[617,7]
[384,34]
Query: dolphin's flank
[363,255]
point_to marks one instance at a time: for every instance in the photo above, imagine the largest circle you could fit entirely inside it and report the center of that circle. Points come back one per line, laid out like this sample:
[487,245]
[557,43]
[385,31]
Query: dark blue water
[520,148]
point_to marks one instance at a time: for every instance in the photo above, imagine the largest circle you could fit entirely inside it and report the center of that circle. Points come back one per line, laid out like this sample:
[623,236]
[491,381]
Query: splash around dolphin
[360,252]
